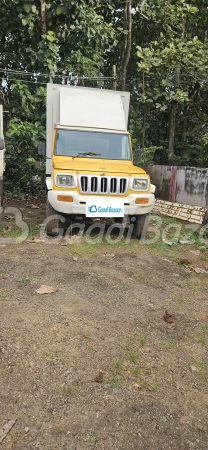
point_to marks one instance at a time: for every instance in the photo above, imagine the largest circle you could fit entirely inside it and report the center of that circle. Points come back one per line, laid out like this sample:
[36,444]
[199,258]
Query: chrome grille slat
[104,185]
[84,183]
[94,184]
[90,184]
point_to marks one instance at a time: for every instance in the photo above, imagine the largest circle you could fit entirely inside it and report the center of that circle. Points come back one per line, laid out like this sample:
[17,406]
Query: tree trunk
[144,127]
[43,16]
[126,51]
[172,132]
[171,151]
[185,123]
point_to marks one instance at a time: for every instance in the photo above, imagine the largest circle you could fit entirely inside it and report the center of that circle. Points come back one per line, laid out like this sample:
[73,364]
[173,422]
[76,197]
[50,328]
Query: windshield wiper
[80,155]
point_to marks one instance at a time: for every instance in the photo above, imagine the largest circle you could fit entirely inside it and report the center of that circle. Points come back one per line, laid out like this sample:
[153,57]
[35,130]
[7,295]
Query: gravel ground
[94,365]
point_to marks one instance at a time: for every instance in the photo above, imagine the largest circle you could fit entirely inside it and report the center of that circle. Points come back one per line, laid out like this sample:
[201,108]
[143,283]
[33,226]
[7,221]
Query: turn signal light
[65,198]
[141,201]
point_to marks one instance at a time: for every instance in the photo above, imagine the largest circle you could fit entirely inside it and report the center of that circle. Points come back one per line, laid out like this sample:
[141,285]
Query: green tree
[173,67]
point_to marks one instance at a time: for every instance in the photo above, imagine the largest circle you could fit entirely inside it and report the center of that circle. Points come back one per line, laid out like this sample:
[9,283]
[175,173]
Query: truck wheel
[141,224]
[53,225]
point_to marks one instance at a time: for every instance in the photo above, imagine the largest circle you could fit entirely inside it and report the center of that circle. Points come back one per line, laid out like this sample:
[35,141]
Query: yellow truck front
[89,165]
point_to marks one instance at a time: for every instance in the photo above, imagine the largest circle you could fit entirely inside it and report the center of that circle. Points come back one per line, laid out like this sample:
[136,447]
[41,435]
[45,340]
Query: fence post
[172,184]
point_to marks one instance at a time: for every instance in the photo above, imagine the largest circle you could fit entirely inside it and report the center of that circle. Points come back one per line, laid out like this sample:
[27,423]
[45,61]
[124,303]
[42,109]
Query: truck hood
[85,165]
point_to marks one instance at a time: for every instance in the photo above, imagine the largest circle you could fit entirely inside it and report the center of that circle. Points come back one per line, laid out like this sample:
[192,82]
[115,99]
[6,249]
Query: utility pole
[114,78]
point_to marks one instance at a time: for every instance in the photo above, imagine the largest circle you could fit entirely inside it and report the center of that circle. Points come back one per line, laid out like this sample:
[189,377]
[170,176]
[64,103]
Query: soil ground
[94,364]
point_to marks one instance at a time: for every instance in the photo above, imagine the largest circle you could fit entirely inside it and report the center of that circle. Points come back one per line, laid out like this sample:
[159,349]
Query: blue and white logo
[92,209]
[105,208]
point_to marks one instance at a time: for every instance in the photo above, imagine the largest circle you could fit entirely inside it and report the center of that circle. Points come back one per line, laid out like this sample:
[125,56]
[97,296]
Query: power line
[28,81]
[63,76]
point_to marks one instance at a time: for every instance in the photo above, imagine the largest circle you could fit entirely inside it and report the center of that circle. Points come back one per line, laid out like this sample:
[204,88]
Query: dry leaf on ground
[99,377]
[170,320]
[33,206]
[6,428]
[46,290]
[9,217]
[199,270]
[182,262]
[35,241]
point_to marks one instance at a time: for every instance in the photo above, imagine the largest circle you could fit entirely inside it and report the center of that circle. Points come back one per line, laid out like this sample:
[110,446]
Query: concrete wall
[186,185]
[1,191]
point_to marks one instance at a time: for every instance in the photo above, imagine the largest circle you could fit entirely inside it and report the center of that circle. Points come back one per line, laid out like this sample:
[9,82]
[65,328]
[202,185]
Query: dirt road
[94,365]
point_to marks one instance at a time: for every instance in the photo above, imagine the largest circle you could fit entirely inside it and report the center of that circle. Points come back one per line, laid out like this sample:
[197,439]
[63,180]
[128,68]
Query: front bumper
[78,206]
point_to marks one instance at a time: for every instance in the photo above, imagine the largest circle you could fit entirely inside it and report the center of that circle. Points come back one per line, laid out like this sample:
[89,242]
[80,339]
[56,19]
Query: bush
[23,174]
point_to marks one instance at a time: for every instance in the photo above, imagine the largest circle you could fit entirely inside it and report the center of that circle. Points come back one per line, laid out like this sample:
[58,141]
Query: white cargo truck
[2,155]
[89,159]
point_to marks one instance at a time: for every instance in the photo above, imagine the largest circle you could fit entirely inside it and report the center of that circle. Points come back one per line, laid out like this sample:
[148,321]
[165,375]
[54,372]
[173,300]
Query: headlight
[65,181]
[140,184]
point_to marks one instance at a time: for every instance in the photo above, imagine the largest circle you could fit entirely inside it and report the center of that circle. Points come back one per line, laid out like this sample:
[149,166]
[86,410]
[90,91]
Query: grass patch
[162,249]
[94,438]
[195,284]
[204,257]
[87,337]
[49,357]
[3,295]
[28,277]
[204,329]
[11,232]
[119,366]
[146,384]
[155,387]
[142,341]
[132,356]
[84,249]
[203,335]
[166,345]
[201,367]
[130,370]
[113,380]
[67,391]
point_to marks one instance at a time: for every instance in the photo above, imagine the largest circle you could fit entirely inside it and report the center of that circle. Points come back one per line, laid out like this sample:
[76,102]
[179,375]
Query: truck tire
[53,225]
[141,224]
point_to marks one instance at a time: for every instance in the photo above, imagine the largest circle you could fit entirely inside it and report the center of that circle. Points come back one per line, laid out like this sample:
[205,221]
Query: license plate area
[104,208]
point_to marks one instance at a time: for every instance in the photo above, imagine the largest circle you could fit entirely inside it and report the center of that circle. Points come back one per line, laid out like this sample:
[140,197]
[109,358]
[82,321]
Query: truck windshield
[92,144]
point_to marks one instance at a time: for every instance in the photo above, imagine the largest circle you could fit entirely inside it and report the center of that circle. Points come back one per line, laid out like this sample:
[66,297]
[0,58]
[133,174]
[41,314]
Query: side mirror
[138,155]
[42,149]
[2,146]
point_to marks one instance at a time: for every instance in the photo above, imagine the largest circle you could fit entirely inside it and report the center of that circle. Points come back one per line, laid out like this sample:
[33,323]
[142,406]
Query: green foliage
[167,70]
[172,65]
[147,155]
[22,173]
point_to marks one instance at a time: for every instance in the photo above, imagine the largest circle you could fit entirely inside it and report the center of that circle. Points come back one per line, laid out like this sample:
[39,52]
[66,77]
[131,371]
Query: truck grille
[102,185]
